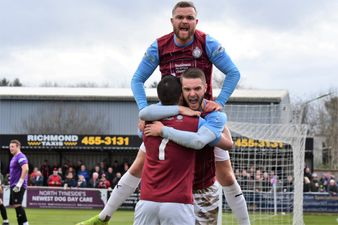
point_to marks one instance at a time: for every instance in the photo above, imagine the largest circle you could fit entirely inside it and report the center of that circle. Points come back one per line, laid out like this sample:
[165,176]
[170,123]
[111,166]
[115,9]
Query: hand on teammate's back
[210,106]
[141,124]
[153,129]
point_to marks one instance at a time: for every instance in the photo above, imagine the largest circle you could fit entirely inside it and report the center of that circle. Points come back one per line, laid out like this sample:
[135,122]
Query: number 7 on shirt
[161,152]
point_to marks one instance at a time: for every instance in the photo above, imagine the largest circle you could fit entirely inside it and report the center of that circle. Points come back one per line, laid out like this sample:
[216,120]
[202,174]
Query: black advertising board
[73,141]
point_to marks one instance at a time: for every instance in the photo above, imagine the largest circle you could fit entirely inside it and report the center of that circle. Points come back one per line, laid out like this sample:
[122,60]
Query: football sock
[3,213]
[237,203]
[21,216]
[125,187]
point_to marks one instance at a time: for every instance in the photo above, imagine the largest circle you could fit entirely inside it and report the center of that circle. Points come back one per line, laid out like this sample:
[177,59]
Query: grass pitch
[71,217]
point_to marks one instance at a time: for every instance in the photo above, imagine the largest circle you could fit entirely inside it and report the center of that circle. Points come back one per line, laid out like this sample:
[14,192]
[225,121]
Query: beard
[194,106]
[184,36]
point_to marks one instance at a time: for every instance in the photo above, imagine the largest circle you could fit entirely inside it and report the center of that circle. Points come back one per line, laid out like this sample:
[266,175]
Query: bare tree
[4,82]
[322,118]
[83,85]
[65,120]
[76,85]
[16,82]
[49,84]
[331,129]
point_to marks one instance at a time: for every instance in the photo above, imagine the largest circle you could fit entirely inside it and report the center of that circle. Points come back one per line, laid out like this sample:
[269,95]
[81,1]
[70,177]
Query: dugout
[100,114]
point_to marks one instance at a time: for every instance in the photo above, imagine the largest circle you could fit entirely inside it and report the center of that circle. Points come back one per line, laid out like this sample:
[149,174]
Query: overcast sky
[276,44]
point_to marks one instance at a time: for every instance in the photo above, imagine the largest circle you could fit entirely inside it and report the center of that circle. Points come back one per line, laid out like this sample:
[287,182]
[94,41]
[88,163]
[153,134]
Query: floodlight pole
[305,104]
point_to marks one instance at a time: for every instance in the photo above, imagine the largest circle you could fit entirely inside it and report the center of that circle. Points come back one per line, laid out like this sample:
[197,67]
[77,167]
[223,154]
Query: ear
[196,21]
[172,21]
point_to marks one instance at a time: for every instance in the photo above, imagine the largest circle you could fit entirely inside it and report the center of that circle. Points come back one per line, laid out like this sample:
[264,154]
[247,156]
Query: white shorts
[164,213]
[207,204]
[220,154]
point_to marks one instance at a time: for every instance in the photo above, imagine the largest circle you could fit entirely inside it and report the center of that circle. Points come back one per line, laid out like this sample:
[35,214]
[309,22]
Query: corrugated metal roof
[56,93]
[257,95]
[124,94]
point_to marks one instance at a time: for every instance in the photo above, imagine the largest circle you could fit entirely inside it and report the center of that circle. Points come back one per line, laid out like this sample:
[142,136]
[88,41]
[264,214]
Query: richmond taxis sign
[52,140]
[72,141]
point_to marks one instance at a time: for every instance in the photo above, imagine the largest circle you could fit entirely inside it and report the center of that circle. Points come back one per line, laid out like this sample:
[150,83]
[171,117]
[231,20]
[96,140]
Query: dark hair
[193,73]
[169,90]
[14,141]
[183,4]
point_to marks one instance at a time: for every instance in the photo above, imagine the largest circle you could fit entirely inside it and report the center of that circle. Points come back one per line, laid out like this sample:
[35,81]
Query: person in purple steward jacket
[18,172]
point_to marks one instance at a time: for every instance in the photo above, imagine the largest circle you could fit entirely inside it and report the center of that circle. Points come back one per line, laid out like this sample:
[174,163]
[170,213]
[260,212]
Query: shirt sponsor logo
[180,68]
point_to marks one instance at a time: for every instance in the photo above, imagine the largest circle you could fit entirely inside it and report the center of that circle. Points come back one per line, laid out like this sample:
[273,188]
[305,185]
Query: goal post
[268,161]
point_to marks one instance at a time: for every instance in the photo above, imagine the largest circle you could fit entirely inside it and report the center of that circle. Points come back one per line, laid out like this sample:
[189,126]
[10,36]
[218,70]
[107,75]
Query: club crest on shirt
[179,117]
[197,52]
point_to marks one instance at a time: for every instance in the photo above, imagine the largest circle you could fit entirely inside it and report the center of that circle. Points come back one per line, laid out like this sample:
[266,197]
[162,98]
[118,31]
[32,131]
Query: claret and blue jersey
[202,47]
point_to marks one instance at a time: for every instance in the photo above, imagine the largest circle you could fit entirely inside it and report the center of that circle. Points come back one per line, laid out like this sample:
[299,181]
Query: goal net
[268,161]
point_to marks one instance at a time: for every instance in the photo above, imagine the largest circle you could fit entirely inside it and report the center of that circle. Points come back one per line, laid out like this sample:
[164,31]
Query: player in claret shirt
[168,172]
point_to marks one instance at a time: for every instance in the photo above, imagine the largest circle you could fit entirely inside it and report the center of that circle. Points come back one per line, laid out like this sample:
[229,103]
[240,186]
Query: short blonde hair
[184,4]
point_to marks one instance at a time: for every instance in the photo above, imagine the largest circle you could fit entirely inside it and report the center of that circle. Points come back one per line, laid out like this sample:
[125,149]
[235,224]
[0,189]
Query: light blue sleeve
[218,56]
[157,111]
[215,122]
[146,67]
[209,132]
[195,140]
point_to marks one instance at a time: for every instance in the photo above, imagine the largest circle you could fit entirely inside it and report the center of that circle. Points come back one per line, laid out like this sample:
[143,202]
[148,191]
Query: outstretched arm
[157,112]
[222,61]
[209,132]
[195,140]
[145,69]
